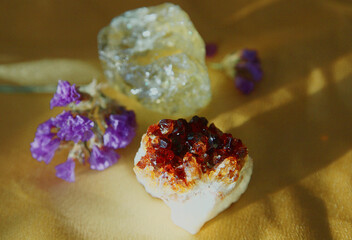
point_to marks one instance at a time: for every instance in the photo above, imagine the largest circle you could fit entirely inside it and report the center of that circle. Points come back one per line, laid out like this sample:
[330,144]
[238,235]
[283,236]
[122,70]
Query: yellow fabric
[296,124]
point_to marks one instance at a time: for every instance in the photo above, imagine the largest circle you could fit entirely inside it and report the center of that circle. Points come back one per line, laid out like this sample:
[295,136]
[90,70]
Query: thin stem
[27,89]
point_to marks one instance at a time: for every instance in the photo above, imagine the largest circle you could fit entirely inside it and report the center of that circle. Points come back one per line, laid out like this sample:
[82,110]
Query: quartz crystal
[157,55]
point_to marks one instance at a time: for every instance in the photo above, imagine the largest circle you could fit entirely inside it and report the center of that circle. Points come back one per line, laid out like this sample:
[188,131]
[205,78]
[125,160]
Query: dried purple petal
[249,70]
[244,85]
[61,119]
[65,94]
[45,128]
[211,49]
[75,128]
[66,170]
[249,55]
[44,146]
[101,158]
[45,142]
[121,130]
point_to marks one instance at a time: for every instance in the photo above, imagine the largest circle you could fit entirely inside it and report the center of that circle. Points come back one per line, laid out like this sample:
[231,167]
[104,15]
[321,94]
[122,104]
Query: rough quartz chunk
[156,55]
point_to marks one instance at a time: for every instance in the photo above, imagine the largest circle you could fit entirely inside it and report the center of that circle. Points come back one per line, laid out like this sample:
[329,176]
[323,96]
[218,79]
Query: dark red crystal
[170,140]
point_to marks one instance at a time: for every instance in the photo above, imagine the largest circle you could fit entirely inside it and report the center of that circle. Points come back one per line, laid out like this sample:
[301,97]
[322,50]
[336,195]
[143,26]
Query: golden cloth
[296,124]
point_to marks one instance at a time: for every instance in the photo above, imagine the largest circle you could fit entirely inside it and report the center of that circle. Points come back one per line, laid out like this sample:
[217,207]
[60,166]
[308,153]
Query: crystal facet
[157,55]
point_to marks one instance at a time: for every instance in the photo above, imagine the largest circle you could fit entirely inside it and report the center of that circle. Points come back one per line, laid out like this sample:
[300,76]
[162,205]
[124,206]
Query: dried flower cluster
[242,66]
[95,126]
[248,71]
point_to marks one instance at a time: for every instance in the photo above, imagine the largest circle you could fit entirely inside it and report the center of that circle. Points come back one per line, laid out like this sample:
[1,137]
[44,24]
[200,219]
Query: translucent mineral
[157,55]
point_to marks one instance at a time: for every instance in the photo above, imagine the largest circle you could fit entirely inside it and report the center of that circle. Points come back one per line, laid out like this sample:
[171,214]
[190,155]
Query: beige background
[296,124]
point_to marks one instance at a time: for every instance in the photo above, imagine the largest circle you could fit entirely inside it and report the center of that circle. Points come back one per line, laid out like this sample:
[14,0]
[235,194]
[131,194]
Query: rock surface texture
[157,55]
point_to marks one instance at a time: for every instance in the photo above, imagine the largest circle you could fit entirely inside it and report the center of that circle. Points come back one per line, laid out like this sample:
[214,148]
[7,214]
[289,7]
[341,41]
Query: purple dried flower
[244,85]
[65,94]
[45,142]
[61,119]
[249,55]
[45,128]
[248,71]
[66,170]
[101,158]
[74,128]
[211,49]
[121,130]
[43,148]
[251,71]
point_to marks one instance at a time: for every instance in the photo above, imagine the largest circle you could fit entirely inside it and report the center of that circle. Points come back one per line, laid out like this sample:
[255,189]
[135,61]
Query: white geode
[156,55]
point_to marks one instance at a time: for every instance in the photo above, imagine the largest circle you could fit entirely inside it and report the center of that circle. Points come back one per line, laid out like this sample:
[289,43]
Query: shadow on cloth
[291,148]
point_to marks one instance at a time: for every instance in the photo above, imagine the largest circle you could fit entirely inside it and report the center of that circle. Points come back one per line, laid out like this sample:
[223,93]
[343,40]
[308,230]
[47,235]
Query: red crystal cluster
[172,142]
